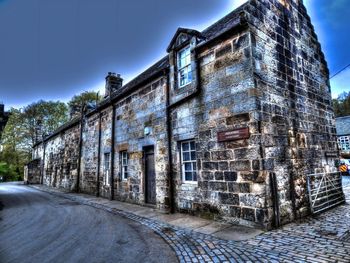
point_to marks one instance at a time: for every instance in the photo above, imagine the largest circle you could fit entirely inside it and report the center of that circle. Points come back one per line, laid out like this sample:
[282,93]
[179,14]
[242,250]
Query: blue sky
[53,49]
[331,19]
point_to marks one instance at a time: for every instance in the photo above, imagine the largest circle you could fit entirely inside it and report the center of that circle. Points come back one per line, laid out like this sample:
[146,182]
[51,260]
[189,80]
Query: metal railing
[325,191]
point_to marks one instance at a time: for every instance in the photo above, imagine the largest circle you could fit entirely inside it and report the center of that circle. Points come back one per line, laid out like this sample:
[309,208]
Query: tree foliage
[84,98]
[341,105]
[42,118]
[26,127]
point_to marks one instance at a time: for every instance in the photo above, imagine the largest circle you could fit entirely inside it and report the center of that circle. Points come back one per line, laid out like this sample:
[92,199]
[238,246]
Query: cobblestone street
[323,238]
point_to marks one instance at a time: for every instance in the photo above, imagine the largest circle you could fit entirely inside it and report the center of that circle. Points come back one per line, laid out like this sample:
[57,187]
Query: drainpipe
[112,152]
[80,147]
[43,163]
[170,156]
[275,201]
[98,156]
[169,128]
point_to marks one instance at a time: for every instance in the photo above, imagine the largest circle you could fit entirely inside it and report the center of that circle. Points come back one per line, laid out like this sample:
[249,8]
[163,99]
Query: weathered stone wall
[61,159]
[37,152]
[228,183]
[296,117]
[268,75]
[106,140]
[88,178]
[145,108]
[32,172]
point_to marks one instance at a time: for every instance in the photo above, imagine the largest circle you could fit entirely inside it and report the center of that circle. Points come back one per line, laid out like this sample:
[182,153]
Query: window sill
[184,86]
[189,182]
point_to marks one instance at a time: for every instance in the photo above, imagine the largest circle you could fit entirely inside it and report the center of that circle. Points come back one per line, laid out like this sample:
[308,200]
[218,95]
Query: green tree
[87,97]
[26,127]
[43,117]
[341,105]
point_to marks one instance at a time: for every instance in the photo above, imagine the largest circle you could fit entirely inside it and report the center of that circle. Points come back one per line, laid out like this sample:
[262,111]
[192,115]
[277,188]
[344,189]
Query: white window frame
[106,168]
[184,66]
[124,161]
[192,162]
[344,143]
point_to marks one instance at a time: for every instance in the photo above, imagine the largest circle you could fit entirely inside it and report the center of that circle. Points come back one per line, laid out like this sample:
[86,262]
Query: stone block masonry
[226,126]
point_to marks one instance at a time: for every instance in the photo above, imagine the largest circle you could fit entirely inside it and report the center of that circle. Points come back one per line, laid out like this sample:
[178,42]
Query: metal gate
[325,191]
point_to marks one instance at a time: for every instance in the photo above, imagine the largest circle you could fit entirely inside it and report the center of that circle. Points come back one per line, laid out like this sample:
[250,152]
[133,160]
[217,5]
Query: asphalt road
[39,227]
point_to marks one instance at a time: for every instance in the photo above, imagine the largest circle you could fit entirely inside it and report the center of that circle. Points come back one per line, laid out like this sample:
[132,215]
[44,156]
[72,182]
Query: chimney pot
[113,83]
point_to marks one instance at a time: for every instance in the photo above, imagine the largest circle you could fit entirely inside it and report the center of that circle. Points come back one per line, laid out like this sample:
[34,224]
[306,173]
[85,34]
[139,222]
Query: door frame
[145,149]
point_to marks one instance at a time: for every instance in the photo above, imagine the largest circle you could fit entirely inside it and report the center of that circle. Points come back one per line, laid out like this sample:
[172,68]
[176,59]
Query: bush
[9,173]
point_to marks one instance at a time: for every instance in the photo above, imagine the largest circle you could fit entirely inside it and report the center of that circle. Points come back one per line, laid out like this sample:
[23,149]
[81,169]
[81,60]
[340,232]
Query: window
[184,67]
[188,161]
[106,168]
[344,143]
[124,164]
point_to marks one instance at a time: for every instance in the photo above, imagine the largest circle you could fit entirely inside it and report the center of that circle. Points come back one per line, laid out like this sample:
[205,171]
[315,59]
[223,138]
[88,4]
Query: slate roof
[343,125]
[223,25]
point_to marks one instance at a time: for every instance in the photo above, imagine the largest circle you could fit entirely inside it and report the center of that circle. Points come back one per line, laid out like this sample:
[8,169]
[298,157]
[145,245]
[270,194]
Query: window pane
[193,145]
[185,146]
[194,166]
[194,174]
[188,167]
[182,77]
[193,156]
[182,62]
[189,76]
[187,61]
[188,176]
[182,53]
[186,156]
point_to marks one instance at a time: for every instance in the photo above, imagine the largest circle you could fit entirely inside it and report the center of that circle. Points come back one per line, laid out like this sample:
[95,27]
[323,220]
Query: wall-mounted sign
[233,135]
[331,154]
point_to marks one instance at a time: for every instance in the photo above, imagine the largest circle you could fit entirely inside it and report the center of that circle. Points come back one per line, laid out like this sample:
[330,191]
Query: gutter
[80,148]
[98,156]
[43,164]
[112,152]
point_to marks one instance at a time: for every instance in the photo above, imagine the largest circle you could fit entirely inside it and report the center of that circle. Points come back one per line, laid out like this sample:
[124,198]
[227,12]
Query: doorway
[150,175]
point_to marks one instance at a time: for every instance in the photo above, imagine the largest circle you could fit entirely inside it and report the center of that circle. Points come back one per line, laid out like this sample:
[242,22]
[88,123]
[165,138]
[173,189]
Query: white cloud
[340,83]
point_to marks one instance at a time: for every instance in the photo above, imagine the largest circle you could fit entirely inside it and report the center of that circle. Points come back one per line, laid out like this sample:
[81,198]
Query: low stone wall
[32,172]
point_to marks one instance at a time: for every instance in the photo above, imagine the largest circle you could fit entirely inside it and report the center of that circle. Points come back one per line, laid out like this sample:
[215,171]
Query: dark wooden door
[150,176]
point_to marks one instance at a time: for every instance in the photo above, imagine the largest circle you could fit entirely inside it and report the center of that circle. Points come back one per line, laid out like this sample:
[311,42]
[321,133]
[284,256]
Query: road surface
[39,227]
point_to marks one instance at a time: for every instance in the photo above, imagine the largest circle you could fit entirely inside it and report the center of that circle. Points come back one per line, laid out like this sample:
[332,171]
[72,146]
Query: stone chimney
[113,83]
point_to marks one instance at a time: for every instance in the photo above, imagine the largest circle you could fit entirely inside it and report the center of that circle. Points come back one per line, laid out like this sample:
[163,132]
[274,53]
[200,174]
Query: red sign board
[233,135]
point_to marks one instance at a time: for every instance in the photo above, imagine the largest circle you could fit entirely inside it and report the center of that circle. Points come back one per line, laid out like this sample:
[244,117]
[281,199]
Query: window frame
[124,155]
[187,67]
[191,161]
[106,170]
[344,143]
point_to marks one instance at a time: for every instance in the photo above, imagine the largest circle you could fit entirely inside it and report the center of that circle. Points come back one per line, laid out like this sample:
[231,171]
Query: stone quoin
[226,126]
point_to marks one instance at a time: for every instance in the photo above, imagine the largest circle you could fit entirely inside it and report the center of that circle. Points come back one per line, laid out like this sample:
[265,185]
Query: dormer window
[184,67]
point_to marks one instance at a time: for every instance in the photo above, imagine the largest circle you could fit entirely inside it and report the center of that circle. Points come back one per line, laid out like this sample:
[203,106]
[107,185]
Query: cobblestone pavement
[325,238]
[346,180]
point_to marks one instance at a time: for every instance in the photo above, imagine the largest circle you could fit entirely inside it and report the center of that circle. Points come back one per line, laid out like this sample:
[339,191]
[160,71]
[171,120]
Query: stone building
[3,118]
[227,125]
[343,132]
